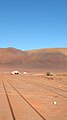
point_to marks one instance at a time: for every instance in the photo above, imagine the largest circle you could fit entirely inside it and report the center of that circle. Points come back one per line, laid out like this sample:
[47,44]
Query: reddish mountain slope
[55,58]
[11,58]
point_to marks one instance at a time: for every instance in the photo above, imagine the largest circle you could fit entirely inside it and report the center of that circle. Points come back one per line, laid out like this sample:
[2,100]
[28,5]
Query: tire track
[13,116]
[50,88]
[24,100]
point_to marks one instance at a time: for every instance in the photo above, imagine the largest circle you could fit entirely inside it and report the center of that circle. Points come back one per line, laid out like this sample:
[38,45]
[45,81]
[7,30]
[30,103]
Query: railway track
[23,98]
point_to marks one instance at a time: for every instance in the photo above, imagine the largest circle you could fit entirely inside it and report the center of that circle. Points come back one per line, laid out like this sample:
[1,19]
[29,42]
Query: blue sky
[33,24]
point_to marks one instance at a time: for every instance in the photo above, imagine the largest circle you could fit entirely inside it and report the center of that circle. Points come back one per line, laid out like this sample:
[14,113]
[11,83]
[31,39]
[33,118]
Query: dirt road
[29,97]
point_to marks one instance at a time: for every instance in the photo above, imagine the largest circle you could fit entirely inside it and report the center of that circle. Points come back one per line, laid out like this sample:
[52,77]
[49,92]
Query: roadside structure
[15,72]
[49,74]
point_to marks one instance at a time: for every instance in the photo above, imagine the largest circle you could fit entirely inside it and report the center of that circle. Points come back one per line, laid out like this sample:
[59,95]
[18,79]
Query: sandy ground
[33,97]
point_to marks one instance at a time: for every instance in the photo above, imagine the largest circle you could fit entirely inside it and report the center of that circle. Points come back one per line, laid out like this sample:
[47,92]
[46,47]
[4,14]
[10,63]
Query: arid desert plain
[33,94]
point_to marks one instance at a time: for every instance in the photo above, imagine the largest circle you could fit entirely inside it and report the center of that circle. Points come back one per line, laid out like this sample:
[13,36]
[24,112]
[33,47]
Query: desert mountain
[55,58]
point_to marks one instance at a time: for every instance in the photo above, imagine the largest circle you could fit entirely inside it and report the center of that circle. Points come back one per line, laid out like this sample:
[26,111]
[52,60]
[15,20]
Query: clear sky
[33,24]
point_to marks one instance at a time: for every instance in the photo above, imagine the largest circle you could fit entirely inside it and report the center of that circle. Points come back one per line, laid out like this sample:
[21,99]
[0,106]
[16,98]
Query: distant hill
[44,59]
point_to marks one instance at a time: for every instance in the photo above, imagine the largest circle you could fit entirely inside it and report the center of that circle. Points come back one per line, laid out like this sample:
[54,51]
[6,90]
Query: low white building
[25,73]
[15,72]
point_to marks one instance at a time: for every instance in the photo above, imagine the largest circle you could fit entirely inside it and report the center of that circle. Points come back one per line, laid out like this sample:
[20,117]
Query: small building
[25,73]
[15,72]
